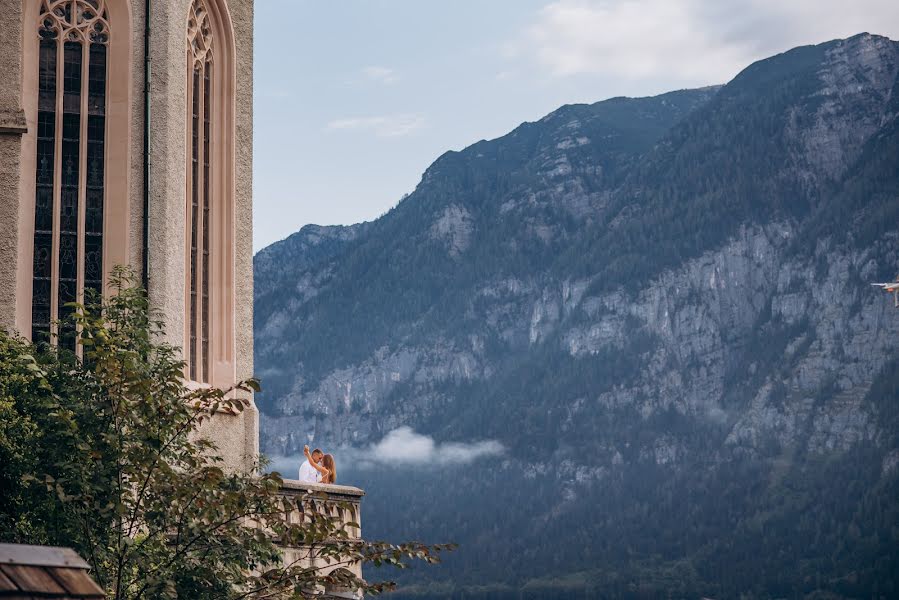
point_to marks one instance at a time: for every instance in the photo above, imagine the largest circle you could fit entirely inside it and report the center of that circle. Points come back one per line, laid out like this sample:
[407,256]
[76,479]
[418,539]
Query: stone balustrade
[341,501]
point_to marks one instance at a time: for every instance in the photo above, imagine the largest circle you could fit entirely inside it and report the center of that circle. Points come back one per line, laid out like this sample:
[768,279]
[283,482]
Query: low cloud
[688,40]
[402,446]
[384,75]
[405,446]
[381,126]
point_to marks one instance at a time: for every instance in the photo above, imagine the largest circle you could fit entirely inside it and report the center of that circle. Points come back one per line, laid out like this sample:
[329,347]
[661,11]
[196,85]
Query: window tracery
[69,179]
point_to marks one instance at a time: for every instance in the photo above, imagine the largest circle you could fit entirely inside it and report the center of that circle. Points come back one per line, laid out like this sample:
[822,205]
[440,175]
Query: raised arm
[314,464]
[317,466]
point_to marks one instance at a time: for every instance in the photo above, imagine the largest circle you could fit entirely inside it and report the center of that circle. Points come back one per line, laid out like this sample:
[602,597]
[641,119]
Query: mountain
[659,308]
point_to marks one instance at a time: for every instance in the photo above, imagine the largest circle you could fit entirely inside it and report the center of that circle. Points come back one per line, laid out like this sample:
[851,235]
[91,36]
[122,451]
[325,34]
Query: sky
[354,99]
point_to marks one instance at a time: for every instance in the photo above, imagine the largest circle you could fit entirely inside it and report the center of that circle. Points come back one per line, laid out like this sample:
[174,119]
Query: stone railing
[341,501]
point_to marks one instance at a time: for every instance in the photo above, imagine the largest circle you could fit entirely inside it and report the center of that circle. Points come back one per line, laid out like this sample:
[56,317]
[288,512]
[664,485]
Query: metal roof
[38,572]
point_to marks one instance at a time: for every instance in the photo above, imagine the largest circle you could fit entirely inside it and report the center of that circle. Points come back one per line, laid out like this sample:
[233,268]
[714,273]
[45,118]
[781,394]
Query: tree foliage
[106,454]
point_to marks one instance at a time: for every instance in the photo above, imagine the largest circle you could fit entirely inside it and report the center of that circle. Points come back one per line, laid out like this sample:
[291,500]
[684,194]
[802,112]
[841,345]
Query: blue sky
[354,99]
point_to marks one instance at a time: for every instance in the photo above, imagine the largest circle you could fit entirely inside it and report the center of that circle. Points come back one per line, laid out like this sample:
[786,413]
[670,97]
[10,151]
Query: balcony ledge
[344,491]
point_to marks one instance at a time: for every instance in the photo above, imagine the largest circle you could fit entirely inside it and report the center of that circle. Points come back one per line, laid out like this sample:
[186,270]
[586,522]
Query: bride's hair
[328,463]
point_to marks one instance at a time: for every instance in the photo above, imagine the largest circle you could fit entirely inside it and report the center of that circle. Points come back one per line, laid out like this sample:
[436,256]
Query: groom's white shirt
[308,473]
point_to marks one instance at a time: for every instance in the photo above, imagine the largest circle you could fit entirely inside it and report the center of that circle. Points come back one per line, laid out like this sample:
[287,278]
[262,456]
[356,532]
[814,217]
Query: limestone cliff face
[669,289]
[822,337]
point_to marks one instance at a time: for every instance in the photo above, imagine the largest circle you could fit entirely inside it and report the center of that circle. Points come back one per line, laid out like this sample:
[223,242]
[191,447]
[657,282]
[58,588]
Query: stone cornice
[333,491]
[13,121]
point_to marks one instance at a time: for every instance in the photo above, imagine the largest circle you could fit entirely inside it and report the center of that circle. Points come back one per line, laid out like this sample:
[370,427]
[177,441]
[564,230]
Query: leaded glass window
[69,178]
[199,196]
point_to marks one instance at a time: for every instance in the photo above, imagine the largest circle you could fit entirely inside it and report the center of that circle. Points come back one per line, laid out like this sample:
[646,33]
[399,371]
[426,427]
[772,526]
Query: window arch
[209,268]
[69,182]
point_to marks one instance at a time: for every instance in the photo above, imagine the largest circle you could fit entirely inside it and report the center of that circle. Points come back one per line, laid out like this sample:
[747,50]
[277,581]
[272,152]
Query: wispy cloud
[631,39]
[382,126]
[691,40]
[380,74]
[404,445]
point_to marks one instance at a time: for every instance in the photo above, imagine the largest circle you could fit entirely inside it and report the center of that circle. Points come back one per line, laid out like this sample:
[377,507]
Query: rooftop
[31,572]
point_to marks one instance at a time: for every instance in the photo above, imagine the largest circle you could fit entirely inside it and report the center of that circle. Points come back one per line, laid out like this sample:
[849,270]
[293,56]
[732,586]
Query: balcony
[340,501]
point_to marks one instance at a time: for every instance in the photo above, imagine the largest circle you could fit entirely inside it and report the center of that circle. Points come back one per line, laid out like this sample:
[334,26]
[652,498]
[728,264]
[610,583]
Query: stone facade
[231,340]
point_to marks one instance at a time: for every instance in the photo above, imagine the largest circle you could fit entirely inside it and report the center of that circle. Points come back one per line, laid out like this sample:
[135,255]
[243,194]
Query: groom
[308,474]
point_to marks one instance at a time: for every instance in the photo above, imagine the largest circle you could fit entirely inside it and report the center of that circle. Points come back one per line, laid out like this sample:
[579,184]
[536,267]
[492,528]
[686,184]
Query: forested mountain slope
[659,307]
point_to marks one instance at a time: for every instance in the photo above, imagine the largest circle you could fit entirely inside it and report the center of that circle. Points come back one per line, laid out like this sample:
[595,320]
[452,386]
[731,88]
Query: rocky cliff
[659,307]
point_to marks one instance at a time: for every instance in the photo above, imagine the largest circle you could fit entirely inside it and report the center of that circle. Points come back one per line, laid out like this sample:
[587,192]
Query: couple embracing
[318,467]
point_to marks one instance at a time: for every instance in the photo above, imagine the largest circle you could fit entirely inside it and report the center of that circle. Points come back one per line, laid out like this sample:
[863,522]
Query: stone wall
[12,126]
[236,436]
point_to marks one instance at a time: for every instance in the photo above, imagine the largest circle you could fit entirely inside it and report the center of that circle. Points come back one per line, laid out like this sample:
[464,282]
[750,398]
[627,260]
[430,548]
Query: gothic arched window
[69,179]
[209,214]
[200,72]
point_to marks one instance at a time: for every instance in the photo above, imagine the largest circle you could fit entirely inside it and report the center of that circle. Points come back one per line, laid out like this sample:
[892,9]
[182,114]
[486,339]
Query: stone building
[126,138]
